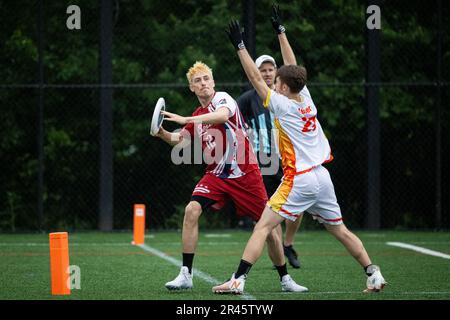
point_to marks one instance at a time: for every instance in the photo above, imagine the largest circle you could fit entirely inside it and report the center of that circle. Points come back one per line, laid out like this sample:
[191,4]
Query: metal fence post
[373,125]
[106,118]
[249,26]
[40,135]
[438,119]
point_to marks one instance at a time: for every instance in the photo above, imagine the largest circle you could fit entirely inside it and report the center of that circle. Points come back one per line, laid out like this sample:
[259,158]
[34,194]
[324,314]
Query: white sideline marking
[419,249]
[204,276]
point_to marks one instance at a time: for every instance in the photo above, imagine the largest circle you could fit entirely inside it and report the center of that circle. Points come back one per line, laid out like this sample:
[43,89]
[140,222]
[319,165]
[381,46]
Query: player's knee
[192,211]
[264,230]
[340,231]
[272,238]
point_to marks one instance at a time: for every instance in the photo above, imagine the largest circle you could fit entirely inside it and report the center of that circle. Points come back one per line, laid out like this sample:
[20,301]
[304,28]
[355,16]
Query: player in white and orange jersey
[306,184]
[232,172]
[260,121]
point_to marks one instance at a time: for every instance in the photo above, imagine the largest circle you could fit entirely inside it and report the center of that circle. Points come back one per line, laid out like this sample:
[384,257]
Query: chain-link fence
[53,127]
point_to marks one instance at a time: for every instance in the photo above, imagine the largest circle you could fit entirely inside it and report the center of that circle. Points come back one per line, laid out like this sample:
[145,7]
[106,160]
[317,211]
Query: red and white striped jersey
[226,147]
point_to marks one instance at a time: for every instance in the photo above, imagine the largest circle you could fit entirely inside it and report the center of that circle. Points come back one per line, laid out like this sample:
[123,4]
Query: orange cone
[139,224]
[59,263]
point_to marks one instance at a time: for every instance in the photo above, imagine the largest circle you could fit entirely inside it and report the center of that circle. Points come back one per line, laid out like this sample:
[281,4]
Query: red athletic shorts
[247,192]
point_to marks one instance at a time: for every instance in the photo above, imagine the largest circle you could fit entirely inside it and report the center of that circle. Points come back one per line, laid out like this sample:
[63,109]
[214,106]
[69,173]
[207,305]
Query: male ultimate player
[232,171]
[306,184]
[260,120]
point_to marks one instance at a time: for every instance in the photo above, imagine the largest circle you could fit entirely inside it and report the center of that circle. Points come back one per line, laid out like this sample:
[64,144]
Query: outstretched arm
[252,72]
[172,138]
[286,49]
[221,115]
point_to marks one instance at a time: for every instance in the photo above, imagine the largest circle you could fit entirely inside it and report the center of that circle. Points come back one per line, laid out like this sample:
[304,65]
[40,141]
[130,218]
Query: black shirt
[258,119]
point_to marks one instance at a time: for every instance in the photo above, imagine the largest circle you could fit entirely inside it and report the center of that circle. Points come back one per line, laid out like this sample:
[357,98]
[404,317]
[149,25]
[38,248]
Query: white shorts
[312,191]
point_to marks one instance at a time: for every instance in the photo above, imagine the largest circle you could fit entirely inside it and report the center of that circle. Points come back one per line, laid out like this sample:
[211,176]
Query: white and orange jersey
[301,141]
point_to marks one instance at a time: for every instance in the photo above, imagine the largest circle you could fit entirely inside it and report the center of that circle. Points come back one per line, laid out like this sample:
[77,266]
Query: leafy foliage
[155,43]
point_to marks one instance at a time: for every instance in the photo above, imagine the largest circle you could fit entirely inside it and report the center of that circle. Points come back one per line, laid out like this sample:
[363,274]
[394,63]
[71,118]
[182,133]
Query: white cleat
[182,281]
[232,286]
[289,285]
[376,282]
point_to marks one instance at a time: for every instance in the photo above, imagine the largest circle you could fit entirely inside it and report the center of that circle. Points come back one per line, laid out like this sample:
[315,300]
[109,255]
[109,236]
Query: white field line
[204,276]
[419,249]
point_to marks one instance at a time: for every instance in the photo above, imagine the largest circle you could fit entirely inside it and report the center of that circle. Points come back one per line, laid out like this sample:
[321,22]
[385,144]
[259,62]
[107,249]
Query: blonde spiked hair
[198,67]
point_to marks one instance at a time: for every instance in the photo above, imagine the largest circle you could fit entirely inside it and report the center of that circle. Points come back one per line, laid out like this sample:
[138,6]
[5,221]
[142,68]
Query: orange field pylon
[59,263]
[139,224]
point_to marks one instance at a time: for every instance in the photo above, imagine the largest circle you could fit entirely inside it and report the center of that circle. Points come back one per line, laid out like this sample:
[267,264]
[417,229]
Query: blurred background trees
[154,43]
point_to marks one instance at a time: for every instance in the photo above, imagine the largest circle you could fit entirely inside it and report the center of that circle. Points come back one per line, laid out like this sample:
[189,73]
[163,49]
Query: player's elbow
[224,118]
[220,119]
[222,115]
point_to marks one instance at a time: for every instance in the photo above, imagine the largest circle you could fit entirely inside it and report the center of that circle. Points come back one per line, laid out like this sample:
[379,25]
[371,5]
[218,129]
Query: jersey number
[310,124]
[209,139]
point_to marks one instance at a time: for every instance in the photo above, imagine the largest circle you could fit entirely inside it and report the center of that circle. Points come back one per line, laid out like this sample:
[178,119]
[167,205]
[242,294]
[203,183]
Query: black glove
[276,20]
[235,35]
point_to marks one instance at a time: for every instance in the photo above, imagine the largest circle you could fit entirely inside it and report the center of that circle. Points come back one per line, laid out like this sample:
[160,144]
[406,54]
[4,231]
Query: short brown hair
[293,76]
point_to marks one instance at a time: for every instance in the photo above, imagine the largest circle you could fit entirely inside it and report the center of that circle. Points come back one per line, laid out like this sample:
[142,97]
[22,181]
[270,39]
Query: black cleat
[292,256]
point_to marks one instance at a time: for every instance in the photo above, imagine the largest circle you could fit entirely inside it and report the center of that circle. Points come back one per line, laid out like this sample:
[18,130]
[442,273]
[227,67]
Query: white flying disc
[157,118]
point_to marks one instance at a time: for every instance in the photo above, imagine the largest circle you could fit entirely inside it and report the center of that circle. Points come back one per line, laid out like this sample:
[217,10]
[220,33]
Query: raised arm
[286,50]
[252,72]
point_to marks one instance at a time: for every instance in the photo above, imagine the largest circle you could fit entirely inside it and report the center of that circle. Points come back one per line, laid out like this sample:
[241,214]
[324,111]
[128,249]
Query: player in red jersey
[232,172]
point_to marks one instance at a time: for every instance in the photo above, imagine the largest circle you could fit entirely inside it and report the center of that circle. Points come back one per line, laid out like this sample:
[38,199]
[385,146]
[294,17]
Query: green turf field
[112,268]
